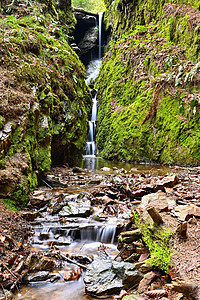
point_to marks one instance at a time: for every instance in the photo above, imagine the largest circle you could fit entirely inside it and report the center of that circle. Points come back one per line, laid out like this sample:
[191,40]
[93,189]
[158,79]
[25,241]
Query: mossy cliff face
[123,15]
[44,98]
[148,101]
[181,24]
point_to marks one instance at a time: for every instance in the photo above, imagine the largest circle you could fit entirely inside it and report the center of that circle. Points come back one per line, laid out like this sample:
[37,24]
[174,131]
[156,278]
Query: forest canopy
[90,5]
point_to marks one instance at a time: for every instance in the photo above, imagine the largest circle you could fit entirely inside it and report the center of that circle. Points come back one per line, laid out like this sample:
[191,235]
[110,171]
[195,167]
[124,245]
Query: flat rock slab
[184,212]
[158,200]
[78,208]
[168,181]
[106,277]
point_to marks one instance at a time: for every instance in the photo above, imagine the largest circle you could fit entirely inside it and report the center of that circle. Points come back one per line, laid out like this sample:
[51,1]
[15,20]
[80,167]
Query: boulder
[89,40]
[157,200]
[106,277]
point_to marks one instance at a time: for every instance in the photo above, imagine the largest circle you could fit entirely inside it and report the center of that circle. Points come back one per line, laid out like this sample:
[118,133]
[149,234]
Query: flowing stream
[78,234]
[82,233]
[93,71]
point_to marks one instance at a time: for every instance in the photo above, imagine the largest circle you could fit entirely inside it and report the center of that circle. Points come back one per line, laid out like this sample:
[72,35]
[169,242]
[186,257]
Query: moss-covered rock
[124,15]
[148,101]
[44,97]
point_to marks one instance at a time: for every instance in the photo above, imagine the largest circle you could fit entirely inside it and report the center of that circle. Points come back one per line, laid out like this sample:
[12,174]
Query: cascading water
[90,144]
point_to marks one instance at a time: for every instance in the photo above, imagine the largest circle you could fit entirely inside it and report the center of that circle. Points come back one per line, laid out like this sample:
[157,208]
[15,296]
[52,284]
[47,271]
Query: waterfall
[90,144]
[100,30]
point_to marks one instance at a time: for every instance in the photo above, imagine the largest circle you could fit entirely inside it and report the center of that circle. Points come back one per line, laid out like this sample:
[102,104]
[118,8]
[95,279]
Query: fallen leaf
[12,259]
[156,293]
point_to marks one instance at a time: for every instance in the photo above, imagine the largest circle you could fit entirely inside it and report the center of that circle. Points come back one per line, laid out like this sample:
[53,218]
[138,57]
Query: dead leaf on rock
[156,293]
[72,274]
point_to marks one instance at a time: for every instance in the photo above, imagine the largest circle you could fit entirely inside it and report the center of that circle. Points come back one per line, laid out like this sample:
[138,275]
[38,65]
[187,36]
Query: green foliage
[48,93]
[156,239]
[10,204]
[90,5]
[144,108]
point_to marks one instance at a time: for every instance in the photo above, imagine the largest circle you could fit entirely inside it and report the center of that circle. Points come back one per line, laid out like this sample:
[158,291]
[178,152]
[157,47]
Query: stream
[81,234]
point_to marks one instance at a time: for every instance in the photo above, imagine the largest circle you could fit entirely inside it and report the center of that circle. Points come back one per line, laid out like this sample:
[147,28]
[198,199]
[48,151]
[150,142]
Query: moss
[11,205]
[2,164]
[156,239]
[142,113]
[45,91]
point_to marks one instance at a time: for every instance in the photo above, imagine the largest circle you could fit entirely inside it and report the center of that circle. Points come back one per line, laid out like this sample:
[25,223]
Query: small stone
[39,276]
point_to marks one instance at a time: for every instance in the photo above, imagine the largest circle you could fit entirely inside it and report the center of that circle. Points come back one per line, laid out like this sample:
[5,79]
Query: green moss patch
[148,101]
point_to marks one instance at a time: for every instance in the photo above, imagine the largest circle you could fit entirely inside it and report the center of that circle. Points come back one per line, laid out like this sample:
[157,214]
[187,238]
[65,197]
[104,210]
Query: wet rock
[38,276]
[30,216]
[77,170]
[157,200]
[105,169]
[99,218]
[44,235]
[107,277]
[57,207]
[100,280]
[54,277]
[83,259]
[37,262]
[112,195]
[78,208]
[95,181]
[38,199]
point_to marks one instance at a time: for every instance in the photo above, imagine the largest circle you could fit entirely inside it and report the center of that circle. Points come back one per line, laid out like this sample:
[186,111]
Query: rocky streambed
[86,236]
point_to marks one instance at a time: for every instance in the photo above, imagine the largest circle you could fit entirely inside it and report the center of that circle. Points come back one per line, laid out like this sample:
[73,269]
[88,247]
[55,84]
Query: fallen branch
[72,261]
[10,272]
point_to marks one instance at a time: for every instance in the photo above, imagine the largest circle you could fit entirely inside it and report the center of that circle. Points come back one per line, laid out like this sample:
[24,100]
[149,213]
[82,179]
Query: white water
[93,72]
[100,30]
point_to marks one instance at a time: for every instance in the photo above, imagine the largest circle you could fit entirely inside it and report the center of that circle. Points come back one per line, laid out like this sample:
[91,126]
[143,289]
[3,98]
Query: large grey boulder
[108,277]
[89,40]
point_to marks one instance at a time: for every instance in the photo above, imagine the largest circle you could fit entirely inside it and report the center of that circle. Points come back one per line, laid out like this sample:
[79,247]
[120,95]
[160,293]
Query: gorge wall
[149,99]
[44,97]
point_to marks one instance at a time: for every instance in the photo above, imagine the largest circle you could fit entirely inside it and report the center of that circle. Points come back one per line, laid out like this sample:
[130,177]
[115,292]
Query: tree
[90,5]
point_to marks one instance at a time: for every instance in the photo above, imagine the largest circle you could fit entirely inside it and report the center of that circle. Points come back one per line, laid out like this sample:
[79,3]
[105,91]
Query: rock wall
[44,97]
[148,89]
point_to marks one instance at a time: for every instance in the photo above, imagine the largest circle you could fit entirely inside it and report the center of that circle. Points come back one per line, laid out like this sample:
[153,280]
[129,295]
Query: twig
[72,261]
[81,247]
[121,252]
[47,184]
[10,272]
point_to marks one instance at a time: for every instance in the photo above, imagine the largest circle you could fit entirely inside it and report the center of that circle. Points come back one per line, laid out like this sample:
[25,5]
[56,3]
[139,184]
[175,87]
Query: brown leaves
[156,293]
[70,275]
